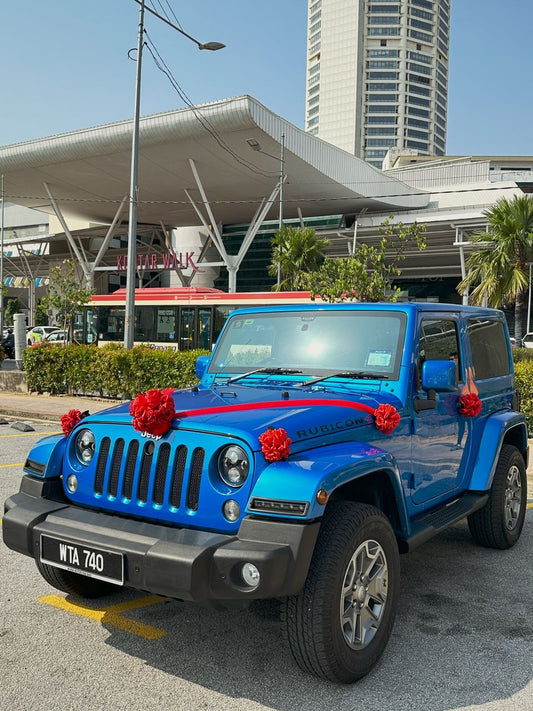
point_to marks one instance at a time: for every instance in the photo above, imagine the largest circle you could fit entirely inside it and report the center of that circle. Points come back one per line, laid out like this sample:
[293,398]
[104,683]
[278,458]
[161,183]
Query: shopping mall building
[214,182]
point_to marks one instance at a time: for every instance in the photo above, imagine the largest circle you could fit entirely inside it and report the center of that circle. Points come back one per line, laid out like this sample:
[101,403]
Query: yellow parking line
[530,505]
[112,614]
[29,434]
[17,464]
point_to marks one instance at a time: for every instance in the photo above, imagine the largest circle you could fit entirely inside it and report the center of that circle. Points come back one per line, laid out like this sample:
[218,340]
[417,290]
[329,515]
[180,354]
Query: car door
[441,439]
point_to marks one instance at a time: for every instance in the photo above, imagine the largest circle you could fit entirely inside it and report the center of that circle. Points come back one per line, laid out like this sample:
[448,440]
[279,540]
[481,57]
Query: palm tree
[497,271]
[295,252]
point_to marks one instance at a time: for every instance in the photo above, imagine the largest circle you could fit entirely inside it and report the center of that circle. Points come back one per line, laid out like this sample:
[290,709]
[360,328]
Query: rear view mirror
[439,375]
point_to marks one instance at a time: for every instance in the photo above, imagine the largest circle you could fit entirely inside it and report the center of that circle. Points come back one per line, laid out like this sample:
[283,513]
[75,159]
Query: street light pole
[129,316]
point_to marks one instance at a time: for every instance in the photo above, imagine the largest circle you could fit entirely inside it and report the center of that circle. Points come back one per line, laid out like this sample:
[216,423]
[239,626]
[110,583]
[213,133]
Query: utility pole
[129,316]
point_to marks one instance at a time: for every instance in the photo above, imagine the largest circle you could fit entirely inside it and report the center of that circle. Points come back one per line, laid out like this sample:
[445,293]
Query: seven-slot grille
[144,472]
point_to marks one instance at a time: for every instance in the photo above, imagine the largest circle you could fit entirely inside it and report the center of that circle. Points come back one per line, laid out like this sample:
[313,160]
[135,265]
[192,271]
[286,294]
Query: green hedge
[111,371]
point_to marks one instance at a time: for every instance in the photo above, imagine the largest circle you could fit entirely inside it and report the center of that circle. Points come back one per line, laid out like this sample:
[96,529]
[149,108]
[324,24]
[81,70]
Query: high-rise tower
[377,75]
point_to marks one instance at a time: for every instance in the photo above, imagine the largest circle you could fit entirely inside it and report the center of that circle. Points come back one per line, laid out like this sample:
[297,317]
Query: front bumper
[200,566]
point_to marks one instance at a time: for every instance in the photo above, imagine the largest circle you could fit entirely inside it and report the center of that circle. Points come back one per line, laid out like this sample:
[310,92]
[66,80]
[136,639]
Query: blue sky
[64,65]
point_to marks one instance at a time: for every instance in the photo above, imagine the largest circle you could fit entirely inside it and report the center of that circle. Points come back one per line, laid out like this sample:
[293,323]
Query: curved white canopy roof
[88,171]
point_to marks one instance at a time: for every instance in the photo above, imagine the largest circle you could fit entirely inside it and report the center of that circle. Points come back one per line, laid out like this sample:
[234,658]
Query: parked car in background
[38,333]
[57,337]
[527,341]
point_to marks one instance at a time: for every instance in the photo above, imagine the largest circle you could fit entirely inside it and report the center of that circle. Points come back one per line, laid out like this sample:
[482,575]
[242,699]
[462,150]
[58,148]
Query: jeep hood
[247,412]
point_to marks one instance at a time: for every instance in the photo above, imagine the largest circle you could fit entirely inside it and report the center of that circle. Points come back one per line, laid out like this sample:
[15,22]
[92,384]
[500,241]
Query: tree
[295,252]
[497,272]
[12,308]
[65,293]
[368,274]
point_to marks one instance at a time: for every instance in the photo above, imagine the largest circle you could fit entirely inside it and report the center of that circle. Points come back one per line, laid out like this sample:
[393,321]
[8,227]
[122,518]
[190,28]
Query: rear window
[488,344]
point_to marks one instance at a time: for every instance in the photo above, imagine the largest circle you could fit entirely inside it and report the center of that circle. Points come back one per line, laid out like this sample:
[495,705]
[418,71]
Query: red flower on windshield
[153,412]
[275,444]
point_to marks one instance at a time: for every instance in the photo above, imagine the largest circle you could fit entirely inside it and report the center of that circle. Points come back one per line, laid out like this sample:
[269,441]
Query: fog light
[250,575]
[72,483]
[231,510]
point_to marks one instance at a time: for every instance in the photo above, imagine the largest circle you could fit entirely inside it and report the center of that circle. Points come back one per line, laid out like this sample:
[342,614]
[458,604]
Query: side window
[489,348]
[439,341]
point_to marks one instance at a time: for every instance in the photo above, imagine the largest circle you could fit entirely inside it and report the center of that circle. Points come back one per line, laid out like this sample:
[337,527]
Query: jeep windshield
[323,343]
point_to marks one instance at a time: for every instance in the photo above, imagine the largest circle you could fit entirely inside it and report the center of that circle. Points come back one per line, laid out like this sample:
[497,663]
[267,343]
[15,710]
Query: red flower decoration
[469,405]
[387,418]
[153,412]
[275,444]
[70,419]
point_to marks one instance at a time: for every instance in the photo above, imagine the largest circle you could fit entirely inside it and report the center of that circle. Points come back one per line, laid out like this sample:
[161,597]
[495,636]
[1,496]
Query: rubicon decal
[330,427]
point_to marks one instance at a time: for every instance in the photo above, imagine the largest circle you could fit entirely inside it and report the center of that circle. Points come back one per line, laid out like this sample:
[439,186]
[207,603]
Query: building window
[422,14]
[382,97]
[382,109]
[417,57]
[381,86]
[375,153]
[423,3]
[417,145]
[382,76]
[383,64]
[418,123]
[388,142]
[420,68]
[389,31]
[414,89]
[419,101]
[381,131]
[415,34]
[423,135]
[384,8]
[421,25]
[383,52]
[417,112]
[381,119]
[378,20]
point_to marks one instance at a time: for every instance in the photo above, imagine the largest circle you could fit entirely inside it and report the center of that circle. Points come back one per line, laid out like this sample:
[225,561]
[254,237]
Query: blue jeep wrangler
[321,442]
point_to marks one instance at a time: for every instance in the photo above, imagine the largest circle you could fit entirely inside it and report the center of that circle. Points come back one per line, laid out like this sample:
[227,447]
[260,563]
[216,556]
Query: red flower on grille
[153,412]
[387,418]
[275,444]
[469,405]
[70,419]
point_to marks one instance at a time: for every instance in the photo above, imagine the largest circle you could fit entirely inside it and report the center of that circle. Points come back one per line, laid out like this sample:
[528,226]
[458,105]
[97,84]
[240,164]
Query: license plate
[85,560]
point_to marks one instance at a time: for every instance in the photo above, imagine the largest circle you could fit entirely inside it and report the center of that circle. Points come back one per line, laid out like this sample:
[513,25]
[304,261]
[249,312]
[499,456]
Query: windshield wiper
[355,375]
[266,371]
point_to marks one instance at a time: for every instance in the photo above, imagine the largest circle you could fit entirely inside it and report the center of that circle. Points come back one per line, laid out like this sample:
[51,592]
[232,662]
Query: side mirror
[201,366]
[439,375]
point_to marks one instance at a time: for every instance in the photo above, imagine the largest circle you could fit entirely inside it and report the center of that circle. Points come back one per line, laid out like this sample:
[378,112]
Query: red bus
[179,318]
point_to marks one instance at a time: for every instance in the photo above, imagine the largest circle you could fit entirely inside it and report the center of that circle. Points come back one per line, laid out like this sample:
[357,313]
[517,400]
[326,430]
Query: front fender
[299,478]
[496,427]
[45,460]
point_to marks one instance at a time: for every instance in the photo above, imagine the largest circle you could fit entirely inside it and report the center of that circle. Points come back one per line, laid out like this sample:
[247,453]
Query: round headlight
[233,466]
[84,445]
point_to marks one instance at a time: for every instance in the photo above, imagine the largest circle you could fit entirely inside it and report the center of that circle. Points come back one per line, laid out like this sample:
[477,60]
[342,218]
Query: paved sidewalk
[25,406]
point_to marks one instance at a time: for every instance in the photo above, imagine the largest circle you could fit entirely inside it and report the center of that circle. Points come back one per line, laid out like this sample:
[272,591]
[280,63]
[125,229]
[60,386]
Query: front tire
[75,584]
[339,625]
[499,523]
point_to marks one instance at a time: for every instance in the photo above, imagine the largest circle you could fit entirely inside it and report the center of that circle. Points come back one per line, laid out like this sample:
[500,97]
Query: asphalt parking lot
[463,638]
